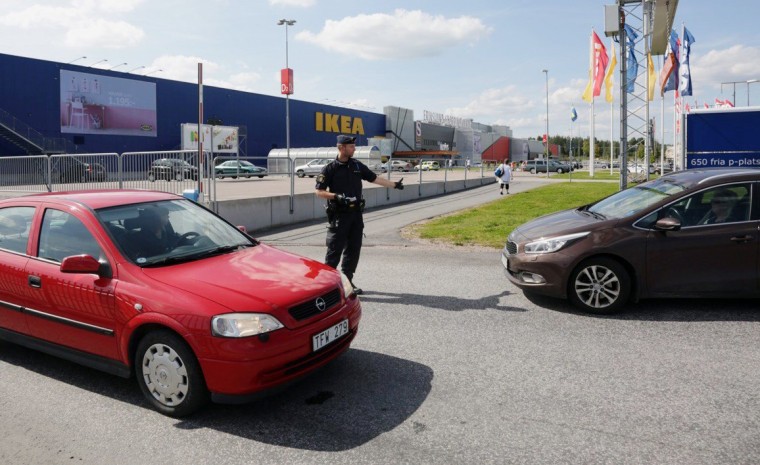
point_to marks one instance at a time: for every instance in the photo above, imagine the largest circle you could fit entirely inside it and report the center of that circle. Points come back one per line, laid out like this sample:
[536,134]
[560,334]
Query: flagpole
[662,134]
[591,116]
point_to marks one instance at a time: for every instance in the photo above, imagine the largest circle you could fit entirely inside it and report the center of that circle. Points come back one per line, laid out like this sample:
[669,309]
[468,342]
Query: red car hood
[259,278]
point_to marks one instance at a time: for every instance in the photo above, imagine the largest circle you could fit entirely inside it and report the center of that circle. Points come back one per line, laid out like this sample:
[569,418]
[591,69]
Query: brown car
[687,234]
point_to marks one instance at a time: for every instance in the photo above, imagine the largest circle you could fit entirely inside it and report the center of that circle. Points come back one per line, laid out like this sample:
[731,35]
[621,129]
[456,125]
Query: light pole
[546,73]
[135,69]
[750,81]
[98,62]
[120,64]
[154,71]
[286,87]
[72,61]
[733,95]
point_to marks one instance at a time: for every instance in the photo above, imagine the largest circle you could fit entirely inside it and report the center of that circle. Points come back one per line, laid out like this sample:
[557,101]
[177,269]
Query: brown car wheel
[600,285]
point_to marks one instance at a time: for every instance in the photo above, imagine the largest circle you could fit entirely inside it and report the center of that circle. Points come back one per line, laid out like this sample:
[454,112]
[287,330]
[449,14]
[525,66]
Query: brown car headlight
[553,244]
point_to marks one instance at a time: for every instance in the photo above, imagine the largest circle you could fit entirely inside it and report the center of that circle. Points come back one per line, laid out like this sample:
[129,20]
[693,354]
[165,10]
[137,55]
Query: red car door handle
[35,281]
[742,239]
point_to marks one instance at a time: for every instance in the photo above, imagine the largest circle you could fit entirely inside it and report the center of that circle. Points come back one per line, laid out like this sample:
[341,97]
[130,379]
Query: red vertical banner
[286,81]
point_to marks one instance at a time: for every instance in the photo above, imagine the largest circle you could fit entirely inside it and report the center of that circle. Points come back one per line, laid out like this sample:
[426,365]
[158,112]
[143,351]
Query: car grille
[309,308]
[511,247]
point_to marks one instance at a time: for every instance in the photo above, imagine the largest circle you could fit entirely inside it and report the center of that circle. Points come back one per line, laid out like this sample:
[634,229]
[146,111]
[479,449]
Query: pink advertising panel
[96,104]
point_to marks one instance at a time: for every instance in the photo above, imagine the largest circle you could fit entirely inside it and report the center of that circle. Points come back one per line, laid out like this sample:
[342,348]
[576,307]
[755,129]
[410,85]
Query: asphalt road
[452,365]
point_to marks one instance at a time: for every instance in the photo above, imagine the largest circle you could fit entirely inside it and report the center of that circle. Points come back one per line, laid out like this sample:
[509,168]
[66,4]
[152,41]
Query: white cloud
[492,104]
[736,63]
[39,16]
[301,3]
[403,35]
[185,68]
[109,6]
[104,33]
[246,81]
[81,23]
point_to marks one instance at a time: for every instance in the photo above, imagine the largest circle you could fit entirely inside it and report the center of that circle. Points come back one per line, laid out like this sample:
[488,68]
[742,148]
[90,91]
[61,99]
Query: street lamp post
[287,92]
[120,64]
[80,58]
[98,62]
[750,81]
[546,73]
[135,69]
[154,71]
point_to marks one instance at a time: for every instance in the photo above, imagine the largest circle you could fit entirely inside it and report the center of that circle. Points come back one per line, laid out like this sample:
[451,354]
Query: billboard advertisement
[216,139]
[97,104]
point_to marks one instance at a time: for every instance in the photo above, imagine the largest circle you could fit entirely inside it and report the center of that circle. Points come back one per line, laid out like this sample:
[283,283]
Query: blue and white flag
[573,114]
[684,71]
[632,63]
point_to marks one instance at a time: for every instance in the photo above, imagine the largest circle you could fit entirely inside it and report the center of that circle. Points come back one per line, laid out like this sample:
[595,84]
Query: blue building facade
[97,111]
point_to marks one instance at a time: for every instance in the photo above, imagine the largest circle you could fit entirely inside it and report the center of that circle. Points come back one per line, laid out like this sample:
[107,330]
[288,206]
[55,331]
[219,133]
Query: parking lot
[451,365]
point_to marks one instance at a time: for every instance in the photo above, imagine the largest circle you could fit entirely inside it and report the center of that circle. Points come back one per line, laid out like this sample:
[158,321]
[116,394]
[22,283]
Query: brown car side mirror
[668,224]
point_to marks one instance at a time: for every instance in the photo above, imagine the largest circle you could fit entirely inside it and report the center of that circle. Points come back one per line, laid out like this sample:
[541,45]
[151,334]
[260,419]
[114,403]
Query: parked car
[655,168]
[186,321]
[172,168]
[658,239]
[242,168]
[636,168]
[397,165]
[540,166]
[69,169]
[428,166]
[312,168]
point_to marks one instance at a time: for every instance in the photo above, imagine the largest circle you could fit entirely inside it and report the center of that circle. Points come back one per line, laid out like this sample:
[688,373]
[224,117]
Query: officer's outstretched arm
[390,184]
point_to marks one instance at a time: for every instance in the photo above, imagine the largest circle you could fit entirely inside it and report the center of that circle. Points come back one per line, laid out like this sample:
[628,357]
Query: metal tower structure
[649,23]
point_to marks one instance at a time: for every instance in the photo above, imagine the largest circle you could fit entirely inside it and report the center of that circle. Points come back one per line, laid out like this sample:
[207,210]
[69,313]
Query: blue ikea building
[50,107]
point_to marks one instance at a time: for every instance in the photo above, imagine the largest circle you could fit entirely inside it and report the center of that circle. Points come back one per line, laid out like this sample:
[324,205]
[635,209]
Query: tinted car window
[635,199]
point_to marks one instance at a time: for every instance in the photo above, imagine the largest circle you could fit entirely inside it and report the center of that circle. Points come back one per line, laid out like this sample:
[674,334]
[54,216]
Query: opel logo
[321,305]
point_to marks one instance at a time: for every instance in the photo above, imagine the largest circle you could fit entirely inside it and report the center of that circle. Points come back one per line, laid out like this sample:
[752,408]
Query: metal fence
[177,172]
[173,171]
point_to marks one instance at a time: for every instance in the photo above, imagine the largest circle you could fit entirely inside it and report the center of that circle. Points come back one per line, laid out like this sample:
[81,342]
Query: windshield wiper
[222,249]
[596,215]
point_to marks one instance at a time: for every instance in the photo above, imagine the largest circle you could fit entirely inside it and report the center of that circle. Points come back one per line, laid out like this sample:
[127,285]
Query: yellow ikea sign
[326,122]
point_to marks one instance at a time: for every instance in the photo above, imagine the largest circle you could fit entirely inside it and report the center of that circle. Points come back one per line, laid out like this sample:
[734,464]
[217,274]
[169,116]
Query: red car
[152,284]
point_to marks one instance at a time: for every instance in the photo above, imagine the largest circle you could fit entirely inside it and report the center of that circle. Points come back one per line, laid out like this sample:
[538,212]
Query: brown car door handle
[742,239]
[35,281]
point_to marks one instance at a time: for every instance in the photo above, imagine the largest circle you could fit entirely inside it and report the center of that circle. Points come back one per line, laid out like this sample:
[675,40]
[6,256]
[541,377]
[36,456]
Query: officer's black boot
[357,290]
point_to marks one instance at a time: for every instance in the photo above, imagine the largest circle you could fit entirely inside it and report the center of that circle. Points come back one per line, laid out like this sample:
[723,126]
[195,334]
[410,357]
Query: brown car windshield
[633,200]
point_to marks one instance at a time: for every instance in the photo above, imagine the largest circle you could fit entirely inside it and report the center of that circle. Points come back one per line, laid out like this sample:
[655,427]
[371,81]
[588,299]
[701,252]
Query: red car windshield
[172,231]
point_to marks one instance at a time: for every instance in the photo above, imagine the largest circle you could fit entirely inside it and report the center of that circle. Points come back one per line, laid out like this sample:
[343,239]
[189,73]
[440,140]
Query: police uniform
[345,231]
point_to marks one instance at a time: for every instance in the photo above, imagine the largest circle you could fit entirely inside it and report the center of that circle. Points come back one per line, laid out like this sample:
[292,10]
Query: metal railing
[177,172]
[46,144]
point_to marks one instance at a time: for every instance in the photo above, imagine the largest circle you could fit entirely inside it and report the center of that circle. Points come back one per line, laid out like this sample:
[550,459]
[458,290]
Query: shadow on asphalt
[351,401]
[666,309]
[443,302]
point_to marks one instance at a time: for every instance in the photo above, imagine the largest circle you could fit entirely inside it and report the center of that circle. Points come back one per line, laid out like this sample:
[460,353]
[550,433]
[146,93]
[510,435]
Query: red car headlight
[243,324]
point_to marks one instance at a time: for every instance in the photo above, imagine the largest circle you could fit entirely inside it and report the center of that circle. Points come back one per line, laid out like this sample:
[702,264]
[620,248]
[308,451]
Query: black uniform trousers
[345,237]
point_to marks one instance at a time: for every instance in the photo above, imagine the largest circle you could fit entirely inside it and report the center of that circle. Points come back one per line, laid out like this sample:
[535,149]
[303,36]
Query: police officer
[340,183]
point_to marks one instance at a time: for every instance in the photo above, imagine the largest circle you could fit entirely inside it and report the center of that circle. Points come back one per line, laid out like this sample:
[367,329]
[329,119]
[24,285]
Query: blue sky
[480,59]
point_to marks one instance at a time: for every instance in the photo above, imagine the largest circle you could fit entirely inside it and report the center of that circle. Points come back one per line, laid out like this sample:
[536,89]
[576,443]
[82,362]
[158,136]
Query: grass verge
[490,224]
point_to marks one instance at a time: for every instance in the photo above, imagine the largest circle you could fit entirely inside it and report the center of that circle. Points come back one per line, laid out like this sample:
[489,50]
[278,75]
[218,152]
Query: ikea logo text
[326,122]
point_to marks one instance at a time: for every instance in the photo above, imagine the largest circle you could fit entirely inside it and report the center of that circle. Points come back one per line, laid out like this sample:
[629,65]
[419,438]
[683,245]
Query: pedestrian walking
[504,175]
[340,184]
